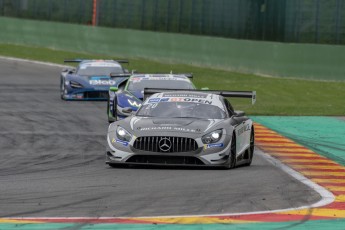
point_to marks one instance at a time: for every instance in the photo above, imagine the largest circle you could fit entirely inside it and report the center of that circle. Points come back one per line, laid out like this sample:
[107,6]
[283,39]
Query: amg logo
[102,82]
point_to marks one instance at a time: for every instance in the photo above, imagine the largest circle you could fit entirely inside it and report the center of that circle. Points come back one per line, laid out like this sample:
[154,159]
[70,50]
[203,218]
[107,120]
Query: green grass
[275,96]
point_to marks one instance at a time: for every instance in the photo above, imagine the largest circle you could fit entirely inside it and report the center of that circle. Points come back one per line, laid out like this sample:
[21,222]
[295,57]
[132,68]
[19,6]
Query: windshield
[99,70]
[181,110]
[134,85]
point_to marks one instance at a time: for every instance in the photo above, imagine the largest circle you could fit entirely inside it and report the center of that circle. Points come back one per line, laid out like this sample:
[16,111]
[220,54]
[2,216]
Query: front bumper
[202,157]
[86,95]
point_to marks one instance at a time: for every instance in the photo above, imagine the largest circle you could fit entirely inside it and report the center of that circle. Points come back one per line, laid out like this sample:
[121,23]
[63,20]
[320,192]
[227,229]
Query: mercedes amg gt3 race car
[91,79]
[130,94]
[184,128]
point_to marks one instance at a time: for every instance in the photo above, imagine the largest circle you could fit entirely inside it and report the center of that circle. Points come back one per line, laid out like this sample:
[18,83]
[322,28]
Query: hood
[126,99]
[152,126]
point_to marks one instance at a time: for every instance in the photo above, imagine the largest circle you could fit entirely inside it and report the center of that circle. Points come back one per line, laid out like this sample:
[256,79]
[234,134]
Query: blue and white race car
[91,79]
[129,95]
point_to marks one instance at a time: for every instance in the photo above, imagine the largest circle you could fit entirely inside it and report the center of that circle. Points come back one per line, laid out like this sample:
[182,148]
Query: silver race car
[183,128]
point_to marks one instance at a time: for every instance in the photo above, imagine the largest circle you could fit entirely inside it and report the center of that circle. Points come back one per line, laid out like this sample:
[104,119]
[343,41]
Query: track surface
[52,163]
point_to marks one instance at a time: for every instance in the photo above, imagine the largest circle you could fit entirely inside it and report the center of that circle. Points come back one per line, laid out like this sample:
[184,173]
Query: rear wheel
[250,150]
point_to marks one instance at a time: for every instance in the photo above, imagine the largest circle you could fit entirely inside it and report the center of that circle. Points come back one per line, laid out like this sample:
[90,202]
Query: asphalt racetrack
[52,163]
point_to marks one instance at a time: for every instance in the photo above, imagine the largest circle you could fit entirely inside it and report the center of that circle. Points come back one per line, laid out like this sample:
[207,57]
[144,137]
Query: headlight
[123,134]
[212,137]
[75,84]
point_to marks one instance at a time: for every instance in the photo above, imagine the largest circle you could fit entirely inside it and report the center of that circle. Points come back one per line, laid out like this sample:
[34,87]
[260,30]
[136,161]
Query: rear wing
[78,60]
[239,94]
[189,75]
[114,75]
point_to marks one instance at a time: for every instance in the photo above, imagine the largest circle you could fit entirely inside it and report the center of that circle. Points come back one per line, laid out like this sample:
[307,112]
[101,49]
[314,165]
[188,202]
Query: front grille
[164,144]
[96,94]
[170,160]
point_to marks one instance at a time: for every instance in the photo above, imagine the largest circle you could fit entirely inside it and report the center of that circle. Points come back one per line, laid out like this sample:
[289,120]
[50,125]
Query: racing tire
[112,112]
[250,150]
[62,89]
[232,158]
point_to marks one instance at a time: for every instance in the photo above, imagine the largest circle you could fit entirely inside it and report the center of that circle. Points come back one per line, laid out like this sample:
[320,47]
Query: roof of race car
[172,77]
[99,63]
[185,96]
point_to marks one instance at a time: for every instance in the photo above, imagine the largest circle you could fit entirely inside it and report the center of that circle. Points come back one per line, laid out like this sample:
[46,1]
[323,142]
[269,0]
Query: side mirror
[127,110]
[113,89]
[134,71]
[205,88]
[239,113]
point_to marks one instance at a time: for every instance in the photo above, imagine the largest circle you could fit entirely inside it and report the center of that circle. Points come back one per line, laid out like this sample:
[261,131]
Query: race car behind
[130,94]
[91,79]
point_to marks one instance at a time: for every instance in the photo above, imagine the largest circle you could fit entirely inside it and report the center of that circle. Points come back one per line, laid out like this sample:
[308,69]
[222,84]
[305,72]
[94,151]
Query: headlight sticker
[218,145]
[124,143]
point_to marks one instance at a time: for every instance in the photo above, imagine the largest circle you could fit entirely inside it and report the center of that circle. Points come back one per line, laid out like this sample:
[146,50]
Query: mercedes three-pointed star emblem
[164,144]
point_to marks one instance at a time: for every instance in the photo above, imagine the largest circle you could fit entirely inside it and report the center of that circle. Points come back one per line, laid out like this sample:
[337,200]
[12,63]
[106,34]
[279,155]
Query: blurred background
[298,21]
[290,51]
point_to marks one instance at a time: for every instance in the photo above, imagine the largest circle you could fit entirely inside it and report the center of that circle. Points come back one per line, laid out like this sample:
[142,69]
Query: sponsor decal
[218,145]
[243,129]
[134,103]
[179,99]
[196,100]
[164,99]
[154,100]
[184,95]
[102,82]
[124,143]
[169,128]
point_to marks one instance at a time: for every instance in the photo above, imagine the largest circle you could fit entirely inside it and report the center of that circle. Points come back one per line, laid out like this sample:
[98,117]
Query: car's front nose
[167,149]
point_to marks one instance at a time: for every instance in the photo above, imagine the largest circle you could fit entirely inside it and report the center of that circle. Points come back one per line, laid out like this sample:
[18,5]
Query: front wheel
[232,158]
[112,110]
[250,150]
[62,89]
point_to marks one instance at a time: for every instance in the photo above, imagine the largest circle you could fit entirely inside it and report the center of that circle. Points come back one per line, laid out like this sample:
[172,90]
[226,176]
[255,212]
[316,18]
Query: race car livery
[184,128]
[91,79]
[130,95]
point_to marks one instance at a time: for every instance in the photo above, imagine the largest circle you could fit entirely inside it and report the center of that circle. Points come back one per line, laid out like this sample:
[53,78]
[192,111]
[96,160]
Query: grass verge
[275,96]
